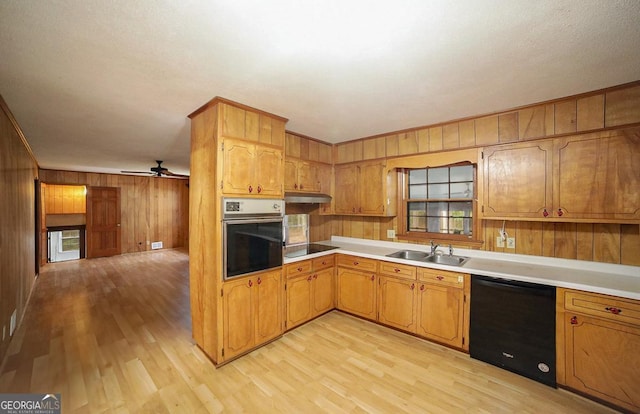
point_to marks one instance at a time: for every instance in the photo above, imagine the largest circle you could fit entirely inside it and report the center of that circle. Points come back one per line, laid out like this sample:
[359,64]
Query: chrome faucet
[434,247]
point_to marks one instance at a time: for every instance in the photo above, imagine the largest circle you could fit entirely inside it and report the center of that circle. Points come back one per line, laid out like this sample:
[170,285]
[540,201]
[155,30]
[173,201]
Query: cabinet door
[598,178]
[325,177]
[600,359]
[517,180]
[346,190]
[299,300]
[290,175]
[371,186]
[238,335]
[397,303]
[441,314]
[268,306]
[269,171]
[238,167]
[308,180]
[322,291]
[357,292]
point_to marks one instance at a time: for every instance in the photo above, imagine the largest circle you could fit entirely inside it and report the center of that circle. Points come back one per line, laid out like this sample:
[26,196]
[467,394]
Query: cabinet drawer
[397,270]
[441,277]
[298,268]
[603,306]
[360,263]
[324,262]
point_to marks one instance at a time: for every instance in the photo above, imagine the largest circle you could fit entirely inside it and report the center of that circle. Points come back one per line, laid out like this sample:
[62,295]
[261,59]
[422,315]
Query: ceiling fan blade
[136,172]
[171,174]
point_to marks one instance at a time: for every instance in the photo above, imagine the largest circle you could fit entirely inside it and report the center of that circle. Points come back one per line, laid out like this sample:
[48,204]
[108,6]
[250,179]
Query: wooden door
[600,360]
[298,300]
[103,221]
[517,180]
[372,189]
[290,175]
[238,335]
[267,300]
[441,314]
[308,180]
[598,178]
[269,171]
[397,303]
[357,292]
[322,291]
[238,167]
[346,189]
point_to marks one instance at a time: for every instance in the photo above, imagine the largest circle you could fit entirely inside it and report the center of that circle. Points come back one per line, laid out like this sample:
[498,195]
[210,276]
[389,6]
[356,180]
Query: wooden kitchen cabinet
[364,189]
[251,169]
[443,307]
[301,176]
[252,312]
[598,337]
[310,289]
[357,286]
[397,303]
[589,177]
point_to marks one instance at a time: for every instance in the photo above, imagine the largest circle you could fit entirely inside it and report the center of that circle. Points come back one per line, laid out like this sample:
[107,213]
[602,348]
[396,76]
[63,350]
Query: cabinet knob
[560,212]
[301,186]
[373,277]
[615,311]
[315,276]
[259,189]
[324,263]
[309,278]
[545,212]
[295,186]
[250,283]
[396,270]
[356,263]
[259,280]
[439,277]
[250,189]
[574,320]
[413,285]
[353,210]
[299,269]
[421,287]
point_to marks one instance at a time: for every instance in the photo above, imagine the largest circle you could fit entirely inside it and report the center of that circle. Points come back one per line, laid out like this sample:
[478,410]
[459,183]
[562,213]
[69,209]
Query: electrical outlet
[499,241]
[391,234]
[511,242]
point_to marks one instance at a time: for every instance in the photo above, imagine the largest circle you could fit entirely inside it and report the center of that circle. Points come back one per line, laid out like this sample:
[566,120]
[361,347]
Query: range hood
[306,198]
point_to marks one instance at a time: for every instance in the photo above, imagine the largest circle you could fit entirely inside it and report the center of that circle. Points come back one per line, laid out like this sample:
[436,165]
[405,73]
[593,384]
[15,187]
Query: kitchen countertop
[608,279]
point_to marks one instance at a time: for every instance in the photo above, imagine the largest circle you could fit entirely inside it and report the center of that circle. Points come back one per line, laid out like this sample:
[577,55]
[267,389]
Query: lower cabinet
[252,312]
[357,292]
[599,345]
[310,290]
[397,303]
[441,315]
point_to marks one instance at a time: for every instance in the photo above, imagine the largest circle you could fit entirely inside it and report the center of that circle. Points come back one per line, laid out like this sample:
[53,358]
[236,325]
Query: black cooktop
[297,251]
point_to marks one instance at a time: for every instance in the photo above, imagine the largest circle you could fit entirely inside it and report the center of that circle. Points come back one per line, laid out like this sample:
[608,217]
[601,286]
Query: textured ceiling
[106,85]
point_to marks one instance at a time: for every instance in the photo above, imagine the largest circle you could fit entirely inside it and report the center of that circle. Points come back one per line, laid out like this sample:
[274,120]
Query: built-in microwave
[252,235]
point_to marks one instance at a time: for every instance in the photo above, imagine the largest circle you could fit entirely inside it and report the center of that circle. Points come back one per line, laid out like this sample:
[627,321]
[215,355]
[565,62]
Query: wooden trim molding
[12,119]
[219,99]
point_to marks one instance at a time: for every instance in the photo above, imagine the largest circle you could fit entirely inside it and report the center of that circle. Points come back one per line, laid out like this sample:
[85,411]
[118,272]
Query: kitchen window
[439,202]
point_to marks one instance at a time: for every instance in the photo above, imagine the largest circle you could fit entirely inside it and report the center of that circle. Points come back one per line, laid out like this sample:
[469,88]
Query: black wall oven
[252,235]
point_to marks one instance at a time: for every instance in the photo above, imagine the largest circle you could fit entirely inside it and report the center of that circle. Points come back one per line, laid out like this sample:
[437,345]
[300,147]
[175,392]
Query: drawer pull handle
[439,277]
[574,320]
[615,311]
[396,270]
[324,263]
[299,269]
[356,263]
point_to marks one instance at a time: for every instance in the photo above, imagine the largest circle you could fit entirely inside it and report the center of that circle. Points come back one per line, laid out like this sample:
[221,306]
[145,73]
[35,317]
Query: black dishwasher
[513,326]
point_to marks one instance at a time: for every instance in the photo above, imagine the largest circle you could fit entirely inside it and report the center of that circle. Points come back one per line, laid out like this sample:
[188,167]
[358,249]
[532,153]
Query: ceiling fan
[158,171]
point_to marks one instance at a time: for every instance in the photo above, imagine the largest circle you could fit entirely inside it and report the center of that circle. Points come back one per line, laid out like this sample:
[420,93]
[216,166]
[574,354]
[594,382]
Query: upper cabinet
[575,178]
[301,176]
[365,189]
[251,169]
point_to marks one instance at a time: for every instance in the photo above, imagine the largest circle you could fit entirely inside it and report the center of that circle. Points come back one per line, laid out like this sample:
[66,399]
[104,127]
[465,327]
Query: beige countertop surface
[609,279]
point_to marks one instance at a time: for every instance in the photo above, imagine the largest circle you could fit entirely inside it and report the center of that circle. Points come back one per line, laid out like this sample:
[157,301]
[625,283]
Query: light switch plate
[391,234]
[511,242]
[499,241]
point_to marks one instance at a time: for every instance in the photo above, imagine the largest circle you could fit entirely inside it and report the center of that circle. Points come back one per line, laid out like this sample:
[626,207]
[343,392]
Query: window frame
[403,213]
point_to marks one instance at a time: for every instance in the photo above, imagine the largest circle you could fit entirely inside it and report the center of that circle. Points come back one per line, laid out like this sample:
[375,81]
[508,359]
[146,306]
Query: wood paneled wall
[610,108]
[152,208]
[18,170]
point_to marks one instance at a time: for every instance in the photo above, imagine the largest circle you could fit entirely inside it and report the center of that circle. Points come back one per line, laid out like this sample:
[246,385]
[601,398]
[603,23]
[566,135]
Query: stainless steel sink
[409,255]
[446,260]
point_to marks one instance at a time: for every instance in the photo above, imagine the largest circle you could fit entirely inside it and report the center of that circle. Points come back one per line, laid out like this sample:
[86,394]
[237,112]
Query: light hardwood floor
[113,335]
